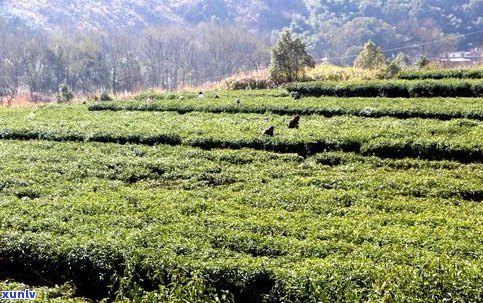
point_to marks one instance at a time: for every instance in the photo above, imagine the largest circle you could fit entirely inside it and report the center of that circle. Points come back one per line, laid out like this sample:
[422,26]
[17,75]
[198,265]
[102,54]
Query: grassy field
[185,199]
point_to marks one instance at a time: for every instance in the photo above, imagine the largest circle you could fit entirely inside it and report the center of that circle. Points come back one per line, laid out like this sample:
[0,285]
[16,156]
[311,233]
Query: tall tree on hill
[371,57]
[289,59]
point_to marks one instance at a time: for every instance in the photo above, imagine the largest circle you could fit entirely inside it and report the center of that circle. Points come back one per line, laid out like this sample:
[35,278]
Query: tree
[289,58]
[39,61]
[355,33]
[392,69]
[402,60]
[422,61]
[371,57]
[64,95]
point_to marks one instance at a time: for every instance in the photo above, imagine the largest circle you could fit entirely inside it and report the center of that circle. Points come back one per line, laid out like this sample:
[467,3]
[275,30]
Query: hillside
[257,14]
[122,45]
[325,25]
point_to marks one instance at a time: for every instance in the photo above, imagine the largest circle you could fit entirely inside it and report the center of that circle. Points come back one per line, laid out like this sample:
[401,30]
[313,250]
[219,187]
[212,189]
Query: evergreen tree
[288,60]
[422,61]
[392,69]
[371,57]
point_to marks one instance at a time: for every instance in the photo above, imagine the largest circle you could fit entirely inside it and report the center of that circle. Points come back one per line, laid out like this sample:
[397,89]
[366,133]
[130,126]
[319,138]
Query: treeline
[161,57]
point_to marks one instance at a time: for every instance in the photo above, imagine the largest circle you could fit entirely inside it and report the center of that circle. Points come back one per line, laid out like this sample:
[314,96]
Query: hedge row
[27,258]
[382,148]
[170,139]
[244,130]
[476,73]
[391,88]
[101,271]
[282,110]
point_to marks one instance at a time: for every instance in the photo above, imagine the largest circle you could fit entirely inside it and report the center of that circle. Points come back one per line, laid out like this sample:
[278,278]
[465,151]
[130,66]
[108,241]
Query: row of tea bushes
[456,139]
[391,88]
[469,73]
[415,108]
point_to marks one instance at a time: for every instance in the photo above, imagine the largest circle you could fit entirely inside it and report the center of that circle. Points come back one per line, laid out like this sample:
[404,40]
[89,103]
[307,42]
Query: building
[462,58]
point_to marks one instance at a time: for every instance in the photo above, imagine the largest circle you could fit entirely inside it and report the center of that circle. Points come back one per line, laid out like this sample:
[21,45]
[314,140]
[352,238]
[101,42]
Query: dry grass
[22,100]
[27,100]
[259,79]
[327,72]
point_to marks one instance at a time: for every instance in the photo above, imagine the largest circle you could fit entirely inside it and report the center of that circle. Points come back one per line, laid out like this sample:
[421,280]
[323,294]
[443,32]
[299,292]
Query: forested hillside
[125,14]
[128,45]
[338,28]
[324,23]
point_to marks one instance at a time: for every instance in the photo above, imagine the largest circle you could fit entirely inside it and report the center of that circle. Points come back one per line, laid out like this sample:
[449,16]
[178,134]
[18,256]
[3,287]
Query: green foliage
[182,287]
[433,108]
[344,209]
[392,88]
[171,237]
[470,73]
[55,294]
[371,57]
[422,62]
[392,69]
[327,72]
[64,95]
[105,97]
[235,131]
[289,59]
[149,95]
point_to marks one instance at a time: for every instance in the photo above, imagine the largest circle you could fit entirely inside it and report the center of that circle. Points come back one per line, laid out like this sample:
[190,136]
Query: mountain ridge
[124,14]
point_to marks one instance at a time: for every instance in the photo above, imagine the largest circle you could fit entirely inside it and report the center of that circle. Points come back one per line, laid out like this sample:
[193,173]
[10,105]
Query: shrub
[64,95]
[422,61]
[105,97]
[251,80]
[392,70]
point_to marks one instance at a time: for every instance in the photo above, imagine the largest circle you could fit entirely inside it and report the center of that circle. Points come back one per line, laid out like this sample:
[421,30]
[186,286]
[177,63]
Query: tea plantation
[184,200]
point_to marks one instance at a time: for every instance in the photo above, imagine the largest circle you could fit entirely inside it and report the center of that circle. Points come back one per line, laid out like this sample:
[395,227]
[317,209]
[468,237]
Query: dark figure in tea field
[295,95]
[268,131]
[294,122]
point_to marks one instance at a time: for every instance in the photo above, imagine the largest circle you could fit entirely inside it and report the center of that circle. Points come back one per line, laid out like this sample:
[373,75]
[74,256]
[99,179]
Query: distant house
[462,58]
